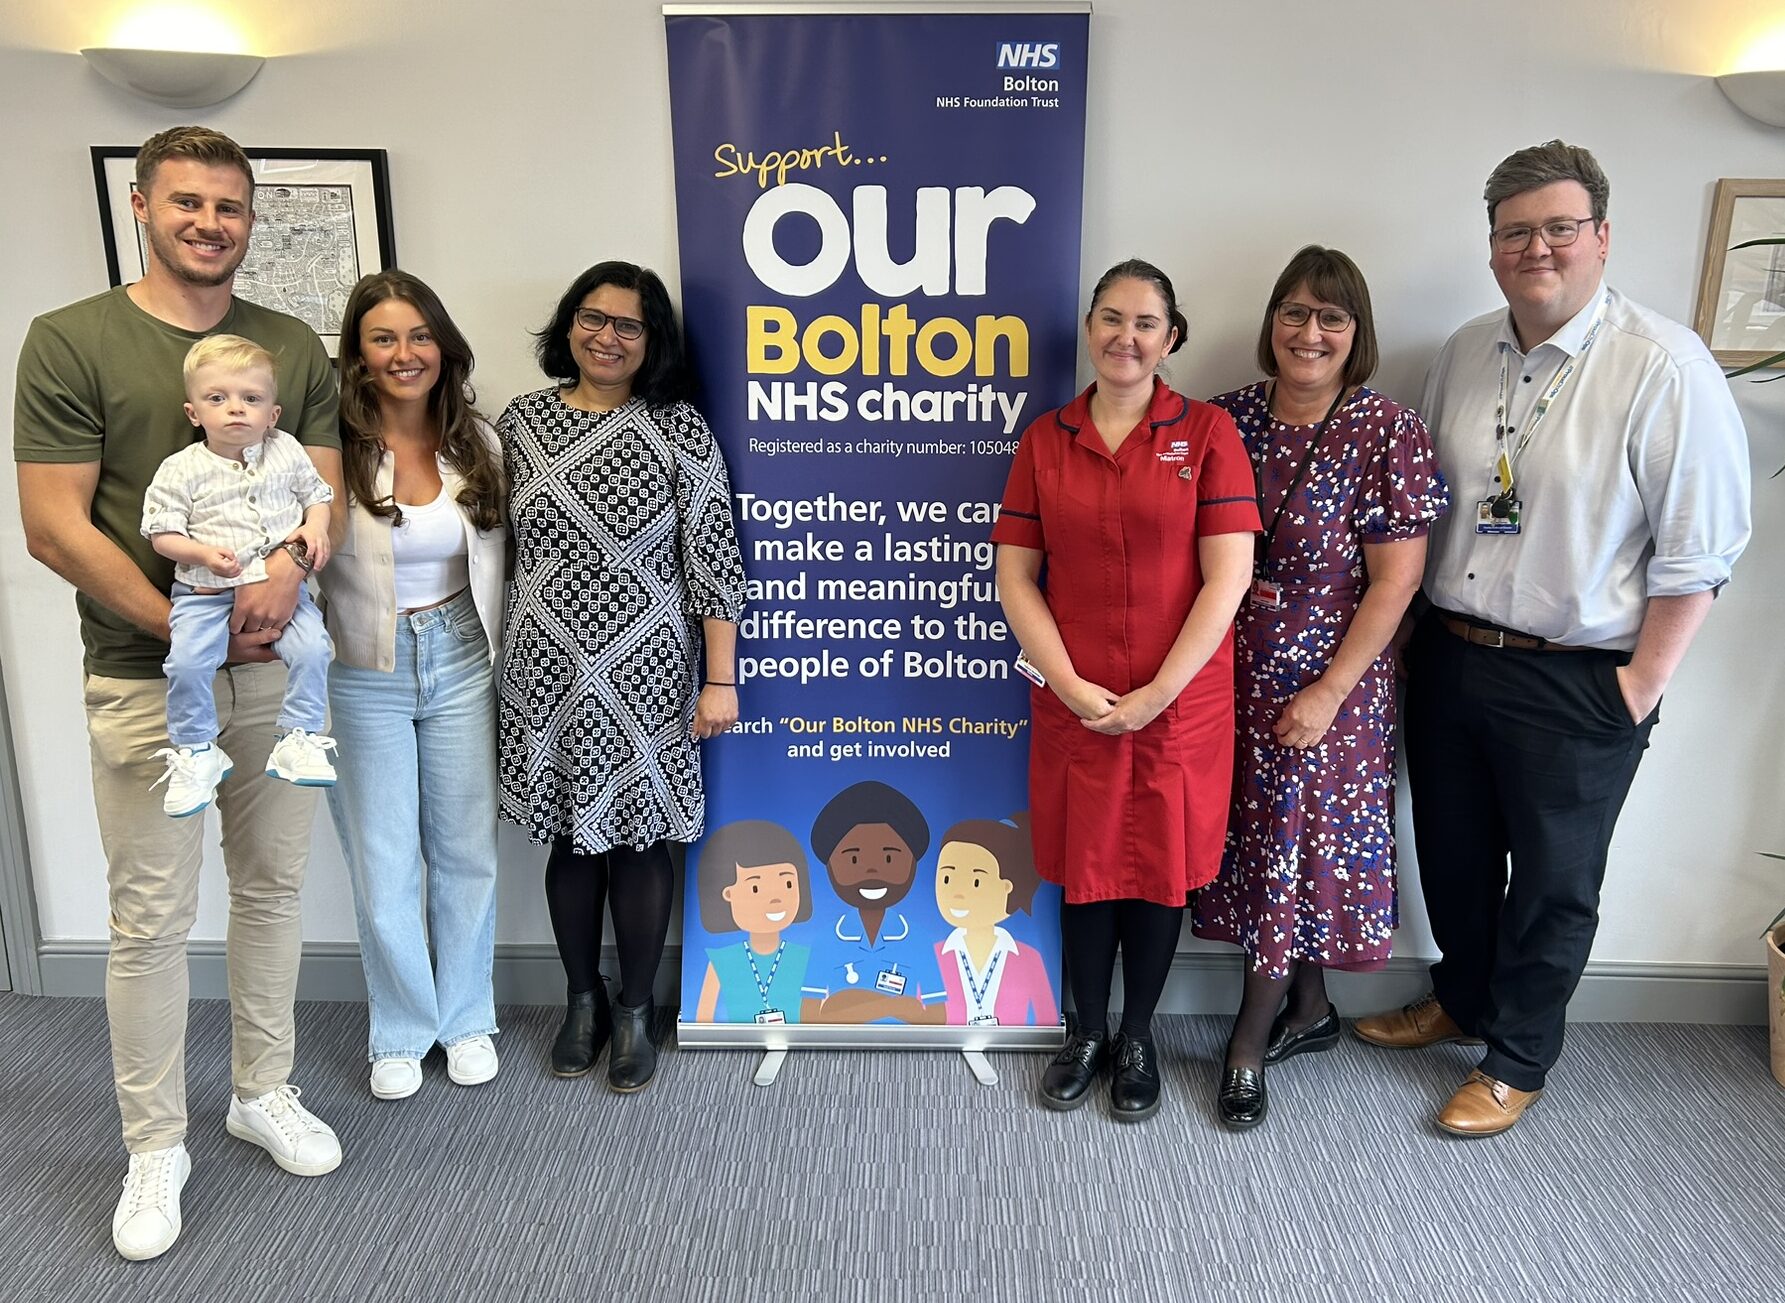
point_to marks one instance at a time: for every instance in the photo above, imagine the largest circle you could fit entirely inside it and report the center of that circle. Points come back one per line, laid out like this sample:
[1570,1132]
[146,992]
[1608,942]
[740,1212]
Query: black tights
[639,886]
[1148,935]
[1304,985]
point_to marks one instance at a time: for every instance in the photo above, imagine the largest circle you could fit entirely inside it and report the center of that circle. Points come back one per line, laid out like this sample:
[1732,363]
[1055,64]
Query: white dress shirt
[1634,485]
[249,506]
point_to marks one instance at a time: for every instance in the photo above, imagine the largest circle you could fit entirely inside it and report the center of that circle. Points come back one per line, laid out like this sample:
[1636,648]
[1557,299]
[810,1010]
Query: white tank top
[429,553]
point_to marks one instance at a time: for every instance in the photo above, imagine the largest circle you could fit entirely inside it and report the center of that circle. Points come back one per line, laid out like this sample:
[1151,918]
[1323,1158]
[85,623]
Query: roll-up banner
[879,225]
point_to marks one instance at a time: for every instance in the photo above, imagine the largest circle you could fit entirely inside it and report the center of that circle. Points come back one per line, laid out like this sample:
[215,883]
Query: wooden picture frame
[321,221]
[1741,291]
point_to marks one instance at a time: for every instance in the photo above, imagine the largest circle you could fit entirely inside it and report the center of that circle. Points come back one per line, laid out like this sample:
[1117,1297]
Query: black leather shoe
[1134,1089]
[632,1061]
[1243,1100]
[587,1023]
[1067,1082]
[1321,1034]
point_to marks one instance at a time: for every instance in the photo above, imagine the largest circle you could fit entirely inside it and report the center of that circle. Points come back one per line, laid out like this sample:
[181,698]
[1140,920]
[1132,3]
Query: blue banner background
[915,101]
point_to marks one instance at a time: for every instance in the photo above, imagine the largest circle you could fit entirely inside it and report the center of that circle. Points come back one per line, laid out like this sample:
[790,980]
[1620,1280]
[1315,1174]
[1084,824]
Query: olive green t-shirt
[100,381]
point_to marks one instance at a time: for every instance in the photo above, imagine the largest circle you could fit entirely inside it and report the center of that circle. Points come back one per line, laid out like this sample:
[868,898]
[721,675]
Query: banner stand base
[980,1067]
[769,1068]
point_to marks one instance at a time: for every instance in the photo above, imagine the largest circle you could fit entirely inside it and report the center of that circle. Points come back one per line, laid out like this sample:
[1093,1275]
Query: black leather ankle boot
[587,1024]
[632,1061]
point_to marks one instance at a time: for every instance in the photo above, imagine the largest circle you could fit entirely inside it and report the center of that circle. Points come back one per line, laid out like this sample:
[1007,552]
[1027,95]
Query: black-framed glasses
[593,319]
[1295,316]
[1557,233]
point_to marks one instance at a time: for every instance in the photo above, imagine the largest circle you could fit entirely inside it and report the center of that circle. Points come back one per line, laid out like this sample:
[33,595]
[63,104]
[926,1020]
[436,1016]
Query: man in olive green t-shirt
[98,408]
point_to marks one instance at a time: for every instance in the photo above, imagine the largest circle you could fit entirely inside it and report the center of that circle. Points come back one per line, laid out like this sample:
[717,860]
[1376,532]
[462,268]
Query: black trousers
[1519,762]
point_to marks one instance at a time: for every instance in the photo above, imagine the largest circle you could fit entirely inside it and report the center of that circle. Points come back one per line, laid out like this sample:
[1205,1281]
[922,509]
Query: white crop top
[429,554]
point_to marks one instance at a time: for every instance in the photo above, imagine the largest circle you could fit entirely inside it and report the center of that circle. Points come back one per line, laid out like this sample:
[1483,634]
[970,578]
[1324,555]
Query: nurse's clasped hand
[1089,701]
[1131,712]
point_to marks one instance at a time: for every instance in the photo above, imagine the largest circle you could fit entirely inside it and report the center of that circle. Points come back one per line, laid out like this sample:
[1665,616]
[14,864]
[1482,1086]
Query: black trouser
[1523,756]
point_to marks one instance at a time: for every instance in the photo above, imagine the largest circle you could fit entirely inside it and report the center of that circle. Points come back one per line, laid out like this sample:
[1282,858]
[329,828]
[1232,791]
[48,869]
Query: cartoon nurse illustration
[986,871]
[871,967]
[752,878]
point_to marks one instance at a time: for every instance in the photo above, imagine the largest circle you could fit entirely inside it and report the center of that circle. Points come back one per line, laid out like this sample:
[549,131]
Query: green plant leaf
[1765,239]
[1761,365]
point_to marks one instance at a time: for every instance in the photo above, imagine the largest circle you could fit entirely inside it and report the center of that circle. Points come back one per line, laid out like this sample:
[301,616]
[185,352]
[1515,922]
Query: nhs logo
[1028,54]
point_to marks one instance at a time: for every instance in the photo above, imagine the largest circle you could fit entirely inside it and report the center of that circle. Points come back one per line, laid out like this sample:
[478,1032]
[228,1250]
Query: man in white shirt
[1601,477]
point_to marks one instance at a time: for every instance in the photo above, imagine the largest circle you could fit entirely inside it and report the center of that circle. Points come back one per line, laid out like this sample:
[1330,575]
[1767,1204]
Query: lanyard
[978,990]
[1558,382]
[1295,481]
[762,987]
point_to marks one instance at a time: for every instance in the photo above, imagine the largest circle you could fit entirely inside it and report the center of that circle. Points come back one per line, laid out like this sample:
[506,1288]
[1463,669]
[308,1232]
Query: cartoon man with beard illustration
[871,969]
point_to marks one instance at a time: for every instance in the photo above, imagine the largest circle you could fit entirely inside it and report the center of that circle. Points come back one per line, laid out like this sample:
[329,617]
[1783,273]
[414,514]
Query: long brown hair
[451,405]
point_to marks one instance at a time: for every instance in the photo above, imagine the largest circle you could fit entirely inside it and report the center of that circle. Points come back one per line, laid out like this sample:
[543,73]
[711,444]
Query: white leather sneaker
[299,1141]
[147,1221]
[302,758]
[192,776]
[472,1061]
[396,1078]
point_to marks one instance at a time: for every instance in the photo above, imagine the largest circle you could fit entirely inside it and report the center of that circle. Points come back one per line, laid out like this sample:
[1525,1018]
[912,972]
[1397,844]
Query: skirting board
[1199,982]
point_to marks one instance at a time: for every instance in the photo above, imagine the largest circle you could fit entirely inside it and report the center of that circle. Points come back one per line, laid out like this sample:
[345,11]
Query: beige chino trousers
[152,875]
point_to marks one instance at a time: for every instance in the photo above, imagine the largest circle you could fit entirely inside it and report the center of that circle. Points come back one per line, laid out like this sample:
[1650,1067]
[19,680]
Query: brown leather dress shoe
[1485,1107]
[1412,1027]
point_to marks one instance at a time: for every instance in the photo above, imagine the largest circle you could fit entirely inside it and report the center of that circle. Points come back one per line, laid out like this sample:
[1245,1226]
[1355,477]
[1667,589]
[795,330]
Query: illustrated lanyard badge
[891,981]
[1265,591]
[768,1014]
[1503,512]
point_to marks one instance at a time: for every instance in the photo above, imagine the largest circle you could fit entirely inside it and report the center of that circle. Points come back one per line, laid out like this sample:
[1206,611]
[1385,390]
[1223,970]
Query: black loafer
[585,1029]
[1134,1089]
[1243,1100]
[1067,1082]
[1322,1034]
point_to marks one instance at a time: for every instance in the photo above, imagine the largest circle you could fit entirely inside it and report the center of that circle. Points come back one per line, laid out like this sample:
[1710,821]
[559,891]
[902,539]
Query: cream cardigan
[359,583]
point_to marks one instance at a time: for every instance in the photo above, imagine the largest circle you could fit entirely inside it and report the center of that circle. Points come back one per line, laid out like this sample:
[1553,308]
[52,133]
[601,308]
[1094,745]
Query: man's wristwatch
[298,553]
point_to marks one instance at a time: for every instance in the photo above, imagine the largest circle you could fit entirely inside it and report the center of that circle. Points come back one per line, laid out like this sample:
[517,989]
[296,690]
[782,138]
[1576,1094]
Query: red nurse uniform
[1143,815]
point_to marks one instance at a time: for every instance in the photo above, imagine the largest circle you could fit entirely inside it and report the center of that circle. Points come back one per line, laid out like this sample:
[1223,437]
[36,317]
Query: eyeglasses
[593,320]
[1557,234]
[1296,315]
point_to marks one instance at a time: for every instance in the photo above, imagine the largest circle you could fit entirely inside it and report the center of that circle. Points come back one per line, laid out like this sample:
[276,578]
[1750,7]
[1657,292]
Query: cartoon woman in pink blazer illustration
[985,872]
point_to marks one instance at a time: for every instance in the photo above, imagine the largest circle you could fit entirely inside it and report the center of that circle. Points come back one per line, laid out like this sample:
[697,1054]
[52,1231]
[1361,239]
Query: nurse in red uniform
[1125,547]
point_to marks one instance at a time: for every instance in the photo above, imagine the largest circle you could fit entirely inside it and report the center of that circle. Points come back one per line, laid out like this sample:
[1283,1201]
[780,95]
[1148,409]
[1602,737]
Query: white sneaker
[148,1218]
[472,1061]
[302,758]
[396,1078]
[299,1141]
[192,777]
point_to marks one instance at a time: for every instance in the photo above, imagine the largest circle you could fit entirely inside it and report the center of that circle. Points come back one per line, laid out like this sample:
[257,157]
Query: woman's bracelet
[299,554]
[716,683]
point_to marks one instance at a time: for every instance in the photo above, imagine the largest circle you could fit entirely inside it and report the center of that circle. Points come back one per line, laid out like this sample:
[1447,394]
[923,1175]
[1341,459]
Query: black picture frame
[310,206]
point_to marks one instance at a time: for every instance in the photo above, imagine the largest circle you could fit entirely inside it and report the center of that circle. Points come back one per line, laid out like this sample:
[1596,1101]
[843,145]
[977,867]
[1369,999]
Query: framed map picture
[321,221]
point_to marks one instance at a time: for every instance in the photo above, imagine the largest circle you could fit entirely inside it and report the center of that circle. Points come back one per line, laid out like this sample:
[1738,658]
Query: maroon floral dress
[1308,874]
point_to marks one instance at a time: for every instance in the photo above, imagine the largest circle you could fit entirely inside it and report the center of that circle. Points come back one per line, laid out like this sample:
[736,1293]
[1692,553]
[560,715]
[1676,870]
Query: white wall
[530,139]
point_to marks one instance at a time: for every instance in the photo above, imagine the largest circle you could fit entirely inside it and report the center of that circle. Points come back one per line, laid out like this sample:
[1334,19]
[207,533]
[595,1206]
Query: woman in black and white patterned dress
[627,576]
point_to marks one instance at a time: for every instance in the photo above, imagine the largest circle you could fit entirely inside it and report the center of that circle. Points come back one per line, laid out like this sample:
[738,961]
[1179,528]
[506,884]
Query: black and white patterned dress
[624,541]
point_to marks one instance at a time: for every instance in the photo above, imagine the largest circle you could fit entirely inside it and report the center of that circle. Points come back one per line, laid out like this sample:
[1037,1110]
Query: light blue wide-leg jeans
[415,798]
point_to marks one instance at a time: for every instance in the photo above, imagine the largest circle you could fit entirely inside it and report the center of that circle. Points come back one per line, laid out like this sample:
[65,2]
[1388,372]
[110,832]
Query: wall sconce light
[1761,95]
[184,79]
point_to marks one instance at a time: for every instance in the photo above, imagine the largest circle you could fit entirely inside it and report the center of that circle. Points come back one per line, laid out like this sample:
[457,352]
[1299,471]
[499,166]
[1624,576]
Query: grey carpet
[1655,1169]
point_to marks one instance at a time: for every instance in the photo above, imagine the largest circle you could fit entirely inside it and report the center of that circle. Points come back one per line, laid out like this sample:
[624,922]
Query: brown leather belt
[1484,637]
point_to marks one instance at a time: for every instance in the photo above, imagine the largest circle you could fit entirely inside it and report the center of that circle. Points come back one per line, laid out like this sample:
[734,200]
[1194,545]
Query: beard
[169,253]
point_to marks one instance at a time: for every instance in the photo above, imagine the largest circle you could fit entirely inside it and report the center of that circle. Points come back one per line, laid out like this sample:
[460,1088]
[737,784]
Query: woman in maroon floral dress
[1348,487]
